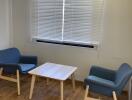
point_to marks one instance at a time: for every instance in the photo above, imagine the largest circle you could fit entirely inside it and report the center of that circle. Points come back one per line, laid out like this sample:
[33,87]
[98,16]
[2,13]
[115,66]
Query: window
[67,21]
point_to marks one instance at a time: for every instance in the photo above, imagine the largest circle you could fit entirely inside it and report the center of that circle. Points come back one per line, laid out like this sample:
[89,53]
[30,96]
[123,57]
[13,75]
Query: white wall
[115,48]
[5,39]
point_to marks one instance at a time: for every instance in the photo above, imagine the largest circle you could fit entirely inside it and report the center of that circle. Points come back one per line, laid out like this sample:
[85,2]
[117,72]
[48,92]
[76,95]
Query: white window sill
[90,44]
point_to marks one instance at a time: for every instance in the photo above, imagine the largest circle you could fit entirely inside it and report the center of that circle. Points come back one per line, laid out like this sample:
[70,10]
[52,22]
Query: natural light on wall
[67,21]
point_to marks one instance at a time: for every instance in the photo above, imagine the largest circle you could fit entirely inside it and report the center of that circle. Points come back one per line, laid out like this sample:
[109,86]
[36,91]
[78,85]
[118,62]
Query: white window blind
[48,19]
[68,21]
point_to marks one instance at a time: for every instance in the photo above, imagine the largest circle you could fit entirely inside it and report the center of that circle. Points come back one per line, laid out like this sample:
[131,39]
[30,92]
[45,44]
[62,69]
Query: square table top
[54,71]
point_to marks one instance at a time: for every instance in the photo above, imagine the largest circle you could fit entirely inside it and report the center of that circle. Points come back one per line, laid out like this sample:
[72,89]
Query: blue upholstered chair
[11,61]
[108,82]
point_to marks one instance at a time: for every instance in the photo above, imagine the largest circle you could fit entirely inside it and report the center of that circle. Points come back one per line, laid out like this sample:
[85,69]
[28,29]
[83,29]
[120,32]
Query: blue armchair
[108,82]
[11,61]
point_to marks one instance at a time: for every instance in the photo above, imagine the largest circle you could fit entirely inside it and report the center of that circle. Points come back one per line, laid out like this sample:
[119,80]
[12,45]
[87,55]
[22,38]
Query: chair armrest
[9,68]
[103,73]
[100,81]
[28,60]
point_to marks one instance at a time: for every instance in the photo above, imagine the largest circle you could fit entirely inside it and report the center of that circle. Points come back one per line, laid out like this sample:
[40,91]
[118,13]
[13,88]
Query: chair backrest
[11,55]
[123,75]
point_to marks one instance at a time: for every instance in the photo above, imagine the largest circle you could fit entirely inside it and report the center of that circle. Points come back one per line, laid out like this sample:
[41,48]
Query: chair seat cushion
[99,85]
[101,81]
[24,68]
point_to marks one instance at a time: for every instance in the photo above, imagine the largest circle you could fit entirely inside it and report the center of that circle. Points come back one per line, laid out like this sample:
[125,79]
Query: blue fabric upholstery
[11,60]
[106,81]
[103,73]
[101,81]
[9,56]
[123,75]
[9,68]
[28,60]
[24,68]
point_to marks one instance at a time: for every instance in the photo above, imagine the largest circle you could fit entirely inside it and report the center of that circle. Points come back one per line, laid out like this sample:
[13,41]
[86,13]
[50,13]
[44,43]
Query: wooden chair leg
[12,79]
[18,82]
[114,95]
[86,92]
[130,89]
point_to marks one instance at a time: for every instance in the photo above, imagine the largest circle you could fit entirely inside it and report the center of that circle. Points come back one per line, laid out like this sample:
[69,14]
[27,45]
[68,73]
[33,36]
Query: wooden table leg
[61,92]
[73,81]
[32,86]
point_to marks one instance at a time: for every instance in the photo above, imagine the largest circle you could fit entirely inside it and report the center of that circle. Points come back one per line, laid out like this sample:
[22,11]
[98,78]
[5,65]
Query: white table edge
[74,70]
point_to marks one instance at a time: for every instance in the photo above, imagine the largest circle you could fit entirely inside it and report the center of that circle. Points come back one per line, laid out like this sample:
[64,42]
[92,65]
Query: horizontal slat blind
[48,19]
[82,20]
[74,21]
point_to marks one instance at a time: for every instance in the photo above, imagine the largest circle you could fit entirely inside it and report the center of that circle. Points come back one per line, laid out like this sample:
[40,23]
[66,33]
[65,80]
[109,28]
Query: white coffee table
[53,71]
